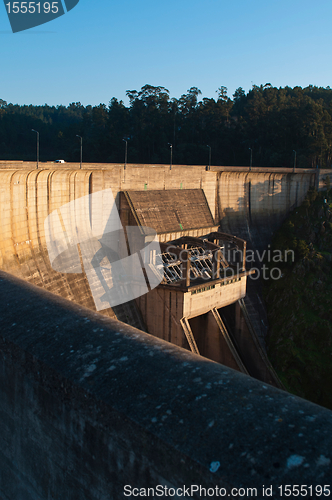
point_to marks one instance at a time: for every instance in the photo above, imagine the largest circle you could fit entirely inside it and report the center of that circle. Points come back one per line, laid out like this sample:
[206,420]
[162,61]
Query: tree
[222,93]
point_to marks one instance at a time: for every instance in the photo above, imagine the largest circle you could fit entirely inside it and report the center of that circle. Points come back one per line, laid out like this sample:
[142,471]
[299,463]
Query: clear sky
[101,48]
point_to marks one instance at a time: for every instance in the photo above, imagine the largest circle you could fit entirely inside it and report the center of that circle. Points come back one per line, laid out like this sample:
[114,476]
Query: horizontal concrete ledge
[51,165]
[89,405]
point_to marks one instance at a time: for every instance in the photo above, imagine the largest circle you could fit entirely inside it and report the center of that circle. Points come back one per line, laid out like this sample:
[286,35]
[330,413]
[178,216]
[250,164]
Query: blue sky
[102,48]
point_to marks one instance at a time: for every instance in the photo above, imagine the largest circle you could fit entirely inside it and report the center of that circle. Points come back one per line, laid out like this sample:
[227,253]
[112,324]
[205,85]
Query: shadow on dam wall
[247,204]
[252,206]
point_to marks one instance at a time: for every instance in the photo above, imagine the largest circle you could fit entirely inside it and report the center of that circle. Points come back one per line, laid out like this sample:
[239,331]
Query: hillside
[299,304]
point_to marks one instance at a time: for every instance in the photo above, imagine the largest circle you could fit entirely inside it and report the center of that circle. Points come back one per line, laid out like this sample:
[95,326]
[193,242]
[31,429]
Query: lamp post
[209,156]
[125,165]
[250,158]
[294,160]
[171,147]
[81,149]
[32,130]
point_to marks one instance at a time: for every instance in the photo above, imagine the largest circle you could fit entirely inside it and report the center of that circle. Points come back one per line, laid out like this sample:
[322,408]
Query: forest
[299,304]
[272,126]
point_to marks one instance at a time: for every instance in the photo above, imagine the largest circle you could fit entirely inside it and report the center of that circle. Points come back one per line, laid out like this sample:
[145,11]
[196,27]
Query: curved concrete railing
[91,408]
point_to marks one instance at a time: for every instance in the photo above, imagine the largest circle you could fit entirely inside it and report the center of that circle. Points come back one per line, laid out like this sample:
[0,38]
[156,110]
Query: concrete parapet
[89,405]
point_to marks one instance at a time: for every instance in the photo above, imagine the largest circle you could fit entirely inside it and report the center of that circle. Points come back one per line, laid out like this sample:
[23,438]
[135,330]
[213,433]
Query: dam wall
[28,196]
[89,406]
[249,204]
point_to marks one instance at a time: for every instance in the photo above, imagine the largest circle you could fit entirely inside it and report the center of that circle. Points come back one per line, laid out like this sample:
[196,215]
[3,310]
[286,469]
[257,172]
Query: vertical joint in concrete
[185,255]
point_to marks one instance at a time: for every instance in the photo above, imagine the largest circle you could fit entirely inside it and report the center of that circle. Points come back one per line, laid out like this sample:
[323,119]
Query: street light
[125,165]
[32,130]
[170,145]
[294,160]
[209,156]
[81,149]
[250,158]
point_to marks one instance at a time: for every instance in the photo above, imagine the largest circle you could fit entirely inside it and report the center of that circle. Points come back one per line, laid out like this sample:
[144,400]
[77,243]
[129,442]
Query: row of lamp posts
[170,145]
[126,151]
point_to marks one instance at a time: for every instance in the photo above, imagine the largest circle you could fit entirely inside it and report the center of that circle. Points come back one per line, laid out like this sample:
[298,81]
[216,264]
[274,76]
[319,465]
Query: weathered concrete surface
[164,308]
[89,405]
[248,344]
[27,197]
[247,204]
[221,295]
[252,205]
[168,211]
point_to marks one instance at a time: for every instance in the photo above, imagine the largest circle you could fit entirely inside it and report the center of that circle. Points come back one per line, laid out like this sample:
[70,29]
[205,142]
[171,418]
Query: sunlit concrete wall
[247,204]
[221,295]
[26,199]
[164,307]
[28,196]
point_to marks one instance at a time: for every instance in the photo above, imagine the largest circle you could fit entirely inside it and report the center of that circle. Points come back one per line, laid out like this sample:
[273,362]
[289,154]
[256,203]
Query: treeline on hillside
[272,122]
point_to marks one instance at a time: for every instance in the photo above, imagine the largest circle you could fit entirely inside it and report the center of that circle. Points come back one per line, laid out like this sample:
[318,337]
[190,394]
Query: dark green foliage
[272,122]
[288,228]
[300,303]
[312,194]
[306,202]
[302,249]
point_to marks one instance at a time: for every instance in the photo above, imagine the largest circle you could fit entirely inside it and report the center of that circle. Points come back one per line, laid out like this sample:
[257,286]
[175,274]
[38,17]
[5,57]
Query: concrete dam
[182,202]
[91,405]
